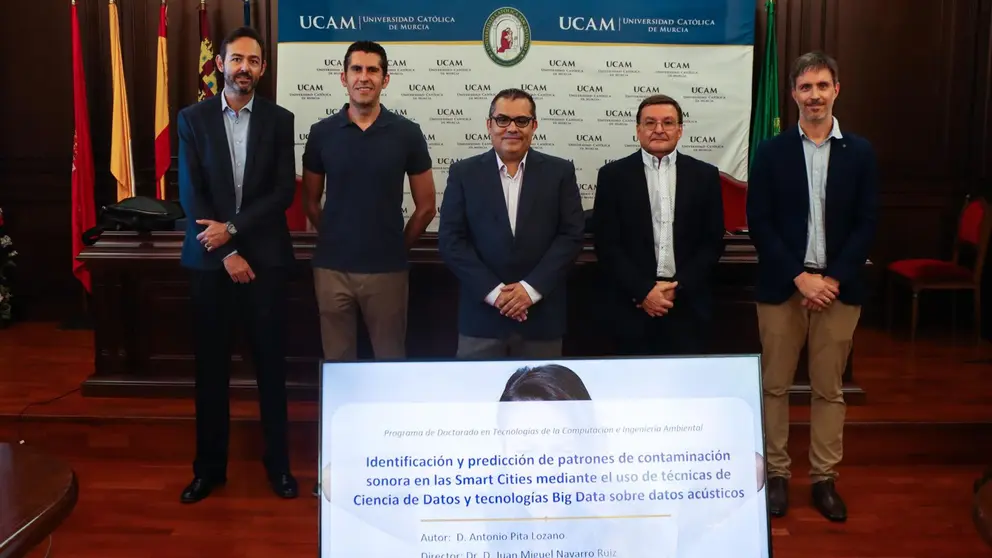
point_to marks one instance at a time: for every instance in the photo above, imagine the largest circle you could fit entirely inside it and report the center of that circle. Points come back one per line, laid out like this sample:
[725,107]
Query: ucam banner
[587,63]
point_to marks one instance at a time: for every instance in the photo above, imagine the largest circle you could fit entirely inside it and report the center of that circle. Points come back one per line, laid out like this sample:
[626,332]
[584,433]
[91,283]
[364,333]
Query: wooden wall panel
[915,78]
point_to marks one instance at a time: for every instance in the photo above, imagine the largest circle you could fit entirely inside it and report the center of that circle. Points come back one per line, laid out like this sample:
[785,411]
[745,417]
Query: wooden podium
[142,318]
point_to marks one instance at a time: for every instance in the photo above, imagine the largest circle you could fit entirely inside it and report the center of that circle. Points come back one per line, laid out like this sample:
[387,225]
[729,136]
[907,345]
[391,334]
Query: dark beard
[234,86]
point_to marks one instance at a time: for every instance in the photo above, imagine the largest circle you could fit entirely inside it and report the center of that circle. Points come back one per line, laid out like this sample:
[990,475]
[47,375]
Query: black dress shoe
[199,489]
[284,485]
[828,502]
[778,496]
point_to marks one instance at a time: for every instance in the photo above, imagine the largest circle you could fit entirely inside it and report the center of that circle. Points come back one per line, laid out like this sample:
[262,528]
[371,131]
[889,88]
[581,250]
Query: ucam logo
[447,161]
[588,138]
[476,137]
[587,187]
[561,63]
[533,87]
[305,137]
[702,139]
[428,137]
[309,87]
[449,112]
[706,90]
[333,63]
[619,64]
[477,87]
[561,112]
[647,89]
[449,63]
[420,87]
[331,111]
[506,36]
[589,88]
[327,22]
[586,23]
[400,111]
[540,137]
[677,66]
[615,113]
[397,64]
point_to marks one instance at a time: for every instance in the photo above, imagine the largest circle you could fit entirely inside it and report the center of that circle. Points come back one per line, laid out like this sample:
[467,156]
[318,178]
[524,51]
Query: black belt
[814,270]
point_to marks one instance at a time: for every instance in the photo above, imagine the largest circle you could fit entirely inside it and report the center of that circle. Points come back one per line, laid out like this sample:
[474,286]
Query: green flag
[766,117]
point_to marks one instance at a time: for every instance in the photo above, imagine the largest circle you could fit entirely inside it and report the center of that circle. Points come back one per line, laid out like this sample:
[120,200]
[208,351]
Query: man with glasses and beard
[511,228]
[237,178]
[659,237]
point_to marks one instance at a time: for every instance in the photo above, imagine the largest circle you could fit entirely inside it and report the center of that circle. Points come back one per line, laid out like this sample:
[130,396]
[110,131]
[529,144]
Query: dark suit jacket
[778,210]
[206,184]
[477,244]
[624,233]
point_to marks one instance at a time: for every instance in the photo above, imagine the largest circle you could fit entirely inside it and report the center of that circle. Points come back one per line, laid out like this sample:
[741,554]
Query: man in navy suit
[236,180]
[812,210]
[659,236]
[511,228]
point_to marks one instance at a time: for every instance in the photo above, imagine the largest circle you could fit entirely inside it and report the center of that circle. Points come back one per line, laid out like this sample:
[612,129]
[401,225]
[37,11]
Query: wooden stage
[912,451]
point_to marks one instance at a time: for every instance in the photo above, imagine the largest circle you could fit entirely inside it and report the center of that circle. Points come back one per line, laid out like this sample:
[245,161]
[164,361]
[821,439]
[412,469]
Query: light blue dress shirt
[817,161]
[236,124]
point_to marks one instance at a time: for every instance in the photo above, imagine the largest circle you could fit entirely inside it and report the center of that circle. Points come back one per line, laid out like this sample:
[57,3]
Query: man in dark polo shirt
[361,155]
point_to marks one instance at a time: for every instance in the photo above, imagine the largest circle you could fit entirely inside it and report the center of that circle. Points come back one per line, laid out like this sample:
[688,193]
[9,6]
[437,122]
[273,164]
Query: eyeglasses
[666,125]
[503,121]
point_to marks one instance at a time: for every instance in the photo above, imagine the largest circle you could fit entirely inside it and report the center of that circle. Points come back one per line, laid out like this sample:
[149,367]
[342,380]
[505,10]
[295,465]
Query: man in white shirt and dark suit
[511,228]
[659,235]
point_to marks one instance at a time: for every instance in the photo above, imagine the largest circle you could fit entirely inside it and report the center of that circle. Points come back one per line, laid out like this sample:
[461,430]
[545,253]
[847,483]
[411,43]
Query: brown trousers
[382,299]
[784,329]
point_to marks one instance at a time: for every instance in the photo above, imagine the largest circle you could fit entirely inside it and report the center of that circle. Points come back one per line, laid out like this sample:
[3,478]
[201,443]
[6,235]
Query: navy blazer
[477,244]
[624,232]
[778,212]
[206,184]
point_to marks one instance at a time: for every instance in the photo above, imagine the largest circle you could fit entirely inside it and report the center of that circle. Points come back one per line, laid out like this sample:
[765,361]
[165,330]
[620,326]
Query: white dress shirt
[660,174]
[511,195]
[817,161]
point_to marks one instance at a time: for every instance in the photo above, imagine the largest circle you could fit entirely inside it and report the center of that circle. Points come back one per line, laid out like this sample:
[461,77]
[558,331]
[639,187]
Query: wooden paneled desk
[142,319]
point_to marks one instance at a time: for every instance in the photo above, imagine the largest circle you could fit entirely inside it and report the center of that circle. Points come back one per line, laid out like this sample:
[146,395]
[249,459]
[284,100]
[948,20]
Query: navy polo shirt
[361,227]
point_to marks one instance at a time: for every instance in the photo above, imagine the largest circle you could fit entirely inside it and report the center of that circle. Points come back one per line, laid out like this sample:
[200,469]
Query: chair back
[734,203]
[974,227]
[296,218]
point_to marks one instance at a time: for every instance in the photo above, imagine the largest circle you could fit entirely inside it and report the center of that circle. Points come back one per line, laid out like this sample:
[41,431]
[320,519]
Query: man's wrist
[531,292]
[229,255]
[493,295]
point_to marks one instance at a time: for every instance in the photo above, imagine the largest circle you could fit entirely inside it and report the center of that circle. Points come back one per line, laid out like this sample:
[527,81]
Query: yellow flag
[120,145]
[163,152]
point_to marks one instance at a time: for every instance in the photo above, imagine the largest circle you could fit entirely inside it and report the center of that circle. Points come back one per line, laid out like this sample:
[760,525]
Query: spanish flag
[208,80]
[120,143]
[163,155]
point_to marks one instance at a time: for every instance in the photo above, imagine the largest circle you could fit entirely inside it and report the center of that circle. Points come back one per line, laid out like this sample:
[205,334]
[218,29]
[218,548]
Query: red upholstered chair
[734,203]
[295,216]
[919,275]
